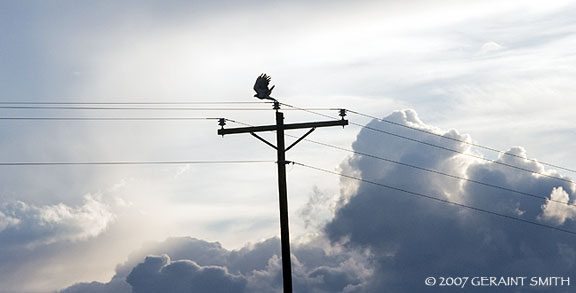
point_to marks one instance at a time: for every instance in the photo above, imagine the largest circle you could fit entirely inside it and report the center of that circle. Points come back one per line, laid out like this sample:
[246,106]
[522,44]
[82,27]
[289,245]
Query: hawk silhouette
[261,87]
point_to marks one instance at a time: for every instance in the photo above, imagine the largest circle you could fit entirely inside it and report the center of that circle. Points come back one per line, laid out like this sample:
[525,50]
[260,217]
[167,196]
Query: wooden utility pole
[281,161]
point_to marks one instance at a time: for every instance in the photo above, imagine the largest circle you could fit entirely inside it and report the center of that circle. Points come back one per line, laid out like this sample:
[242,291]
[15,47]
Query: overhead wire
[441,147]
[233,102]
[214,118]
[59,107]
[131,108]
[132,103]
[134,163]
[430,197]
[110,118]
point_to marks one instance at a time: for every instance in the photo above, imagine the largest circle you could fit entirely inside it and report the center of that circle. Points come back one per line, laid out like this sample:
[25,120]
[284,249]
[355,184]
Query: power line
[443,148]
[461,141]
[117,119]
[131,103]
[132,163]
[149,108]
[438,199]
[3,291]
[433,171]
[110,118]
[264,102]
[130,108]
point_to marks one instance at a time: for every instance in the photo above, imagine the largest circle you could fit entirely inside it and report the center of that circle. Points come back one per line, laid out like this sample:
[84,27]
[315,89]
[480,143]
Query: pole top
[276,105]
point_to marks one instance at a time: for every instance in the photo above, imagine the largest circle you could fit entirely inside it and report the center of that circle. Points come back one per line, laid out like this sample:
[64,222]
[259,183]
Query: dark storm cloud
[192,265]
[159,274]
[116,285]
[412,238]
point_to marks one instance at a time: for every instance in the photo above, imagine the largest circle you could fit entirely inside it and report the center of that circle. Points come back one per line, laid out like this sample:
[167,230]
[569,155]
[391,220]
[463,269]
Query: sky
[493,73]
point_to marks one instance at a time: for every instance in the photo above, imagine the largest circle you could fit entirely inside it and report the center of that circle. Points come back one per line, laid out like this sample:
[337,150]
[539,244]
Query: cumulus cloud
[559,209]
[25,224]
[186,264]
[159,274]
[411,238]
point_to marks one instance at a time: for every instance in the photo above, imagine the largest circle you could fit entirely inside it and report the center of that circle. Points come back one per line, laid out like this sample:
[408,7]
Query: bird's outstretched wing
[262,82]
[261,87]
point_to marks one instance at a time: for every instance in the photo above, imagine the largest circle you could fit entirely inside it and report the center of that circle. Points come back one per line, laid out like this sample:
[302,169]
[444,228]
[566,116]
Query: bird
[261,87]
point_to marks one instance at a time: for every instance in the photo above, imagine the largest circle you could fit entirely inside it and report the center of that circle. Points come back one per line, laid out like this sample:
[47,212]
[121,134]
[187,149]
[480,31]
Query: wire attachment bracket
[222,122]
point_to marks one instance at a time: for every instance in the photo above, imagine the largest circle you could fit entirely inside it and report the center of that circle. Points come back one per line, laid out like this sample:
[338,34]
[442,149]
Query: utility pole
[281,150]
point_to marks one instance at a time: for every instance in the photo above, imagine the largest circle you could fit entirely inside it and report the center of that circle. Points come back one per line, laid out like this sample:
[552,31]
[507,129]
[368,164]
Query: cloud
[490,47]
[116,285]
[46,245]
[315,212]
[559,210]
[26,224]
[159,274]
[411,238]
[185,264]
[7,221]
